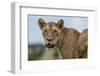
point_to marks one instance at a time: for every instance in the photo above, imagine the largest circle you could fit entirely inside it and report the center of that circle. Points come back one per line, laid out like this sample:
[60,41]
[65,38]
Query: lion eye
[45,30]
[55,31]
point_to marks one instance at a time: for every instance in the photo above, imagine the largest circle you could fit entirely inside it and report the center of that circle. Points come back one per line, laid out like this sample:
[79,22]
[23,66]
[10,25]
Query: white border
[19,17]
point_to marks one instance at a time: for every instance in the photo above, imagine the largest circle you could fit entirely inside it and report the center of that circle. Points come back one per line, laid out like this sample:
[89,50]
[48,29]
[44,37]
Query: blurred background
[40,52]
[36,47]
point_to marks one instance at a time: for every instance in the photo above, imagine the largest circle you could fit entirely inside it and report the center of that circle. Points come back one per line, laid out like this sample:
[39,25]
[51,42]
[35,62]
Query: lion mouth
[50,45]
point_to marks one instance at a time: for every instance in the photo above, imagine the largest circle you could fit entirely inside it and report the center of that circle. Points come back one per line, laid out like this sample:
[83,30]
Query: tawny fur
[69,41]
[82,44]
[67,45]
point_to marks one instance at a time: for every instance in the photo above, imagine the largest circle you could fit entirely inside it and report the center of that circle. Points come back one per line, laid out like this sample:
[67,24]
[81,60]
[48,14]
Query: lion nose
[49,39]
[49,44]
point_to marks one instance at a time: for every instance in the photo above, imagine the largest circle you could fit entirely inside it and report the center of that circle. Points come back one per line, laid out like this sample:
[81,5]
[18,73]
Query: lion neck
[59,43]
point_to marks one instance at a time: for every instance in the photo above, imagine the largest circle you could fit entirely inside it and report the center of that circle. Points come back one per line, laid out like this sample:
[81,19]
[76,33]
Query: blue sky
[35,34]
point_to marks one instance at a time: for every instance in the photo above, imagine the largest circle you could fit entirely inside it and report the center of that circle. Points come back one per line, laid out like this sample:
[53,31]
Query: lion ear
[41,23]
[60,23]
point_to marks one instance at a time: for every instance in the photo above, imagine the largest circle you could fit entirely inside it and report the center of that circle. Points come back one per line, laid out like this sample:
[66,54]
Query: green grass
[39,52]
[36,52]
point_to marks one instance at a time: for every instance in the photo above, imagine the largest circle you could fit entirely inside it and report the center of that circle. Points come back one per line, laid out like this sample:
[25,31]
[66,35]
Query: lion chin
[50,45]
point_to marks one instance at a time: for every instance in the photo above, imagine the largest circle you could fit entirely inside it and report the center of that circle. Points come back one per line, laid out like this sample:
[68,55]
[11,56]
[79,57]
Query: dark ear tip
[61,20]
[40,19]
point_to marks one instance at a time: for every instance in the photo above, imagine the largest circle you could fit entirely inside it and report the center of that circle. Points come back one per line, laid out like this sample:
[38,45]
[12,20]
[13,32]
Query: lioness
[82,44]
[56,35]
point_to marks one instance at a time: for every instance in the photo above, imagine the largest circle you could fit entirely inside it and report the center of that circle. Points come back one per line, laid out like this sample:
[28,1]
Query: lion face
[51,32]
